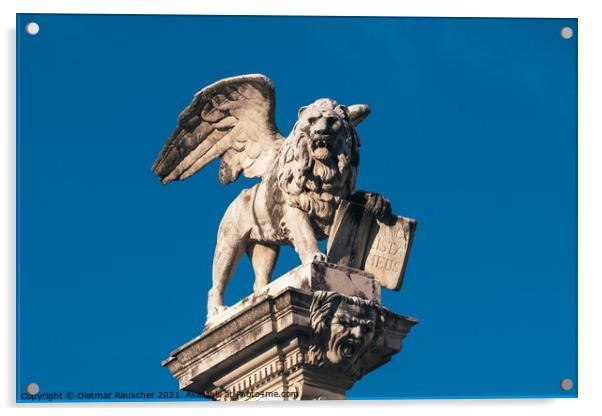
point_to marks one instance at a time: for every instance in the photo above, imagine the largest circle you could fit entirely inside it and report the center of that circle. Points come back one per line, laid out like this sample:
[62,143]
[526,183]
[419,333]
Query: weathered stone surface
[317,275]
[291,343]
[381,247]
[303,178]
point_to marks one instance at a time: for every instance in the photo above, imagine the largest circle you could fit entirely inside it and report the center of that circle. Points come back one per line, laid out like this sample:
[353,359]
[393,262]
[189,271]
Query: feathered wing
[232,119]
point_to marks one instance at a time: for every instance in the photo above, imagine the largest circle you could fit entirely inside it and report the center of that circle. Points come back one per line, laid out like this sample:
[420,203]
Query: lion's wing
[232,119]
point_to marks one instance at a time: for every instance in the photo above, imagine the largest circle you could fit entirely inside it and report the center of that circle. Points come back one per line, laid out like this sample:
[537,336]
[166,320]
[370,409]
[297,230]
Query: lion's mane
[312,185]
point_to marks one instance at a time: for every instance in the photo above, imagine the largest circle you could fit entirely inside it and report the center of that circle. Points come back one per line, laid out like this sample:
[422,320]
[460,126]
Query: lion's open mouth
[320,149]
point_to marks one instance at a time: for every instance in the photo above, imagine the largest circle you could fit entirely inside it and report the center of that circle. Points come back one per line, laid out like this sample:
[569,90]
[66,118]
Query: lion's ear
[357,113]
[301,110]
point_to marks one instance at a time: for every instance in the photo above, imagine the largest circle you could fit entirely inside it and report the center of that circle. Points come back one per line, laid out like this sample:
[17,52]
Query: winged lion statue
[303,177]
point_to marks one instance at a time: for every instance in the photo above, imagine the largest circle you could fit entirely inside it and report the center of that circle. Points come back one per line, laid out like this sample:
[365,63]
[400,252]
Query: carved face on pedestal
[351,331]
[345,327]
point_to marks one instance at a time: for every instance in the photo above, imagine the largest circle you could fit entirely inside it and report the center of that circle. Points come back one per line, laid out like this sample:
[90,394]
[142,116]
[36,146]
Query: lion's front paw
[320,257]
[378,205]
[311,257]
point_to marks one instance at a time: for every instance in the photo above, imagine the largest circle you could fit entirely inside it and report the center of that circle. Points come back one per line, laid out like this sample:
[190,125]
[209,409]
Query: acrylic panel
[472,132]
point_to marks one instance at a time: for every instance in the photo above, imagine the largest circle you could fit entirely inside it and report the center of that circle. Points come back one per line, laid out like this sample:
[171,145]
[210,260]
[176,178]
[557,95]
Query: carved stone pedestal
[310,335]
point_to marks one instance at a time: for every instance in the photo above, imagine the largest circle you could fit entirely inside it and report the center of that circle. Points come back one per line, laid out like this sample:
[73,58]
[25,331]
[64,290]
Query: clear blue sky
[473,132]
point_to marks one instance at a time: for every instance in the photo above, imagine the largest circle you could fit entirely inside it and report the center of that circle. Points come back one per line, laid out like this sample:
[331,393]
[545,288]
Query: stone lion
[303,178]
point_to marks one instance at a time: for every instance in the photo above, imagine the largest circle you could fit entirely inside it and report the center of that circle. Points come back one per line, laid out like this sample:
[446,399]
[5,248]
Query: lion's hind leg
[263,258]
[228,250]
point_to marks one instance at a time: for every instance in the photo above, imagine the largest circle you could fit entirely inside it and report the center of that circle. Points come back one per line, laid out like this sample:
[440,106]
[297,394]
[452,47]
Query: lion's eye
[331,120]
[312,120]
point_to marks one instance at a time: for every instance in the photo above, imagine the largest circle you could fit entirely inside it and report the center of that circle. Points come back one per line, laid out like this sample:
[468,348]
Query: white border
[509,8]
[590,206]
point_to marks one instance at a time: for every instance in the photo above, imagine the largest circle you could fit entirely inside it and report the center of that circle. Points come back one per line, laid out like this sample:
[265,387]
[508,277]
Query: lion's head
[326,125]
[318,165]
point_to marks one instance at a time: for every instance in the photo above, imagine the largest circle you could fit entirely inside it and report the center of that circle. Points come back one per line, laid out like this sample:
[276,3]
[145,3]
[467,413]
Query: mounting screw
[566,32]
[32,28]
[32,388]
[566,384]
